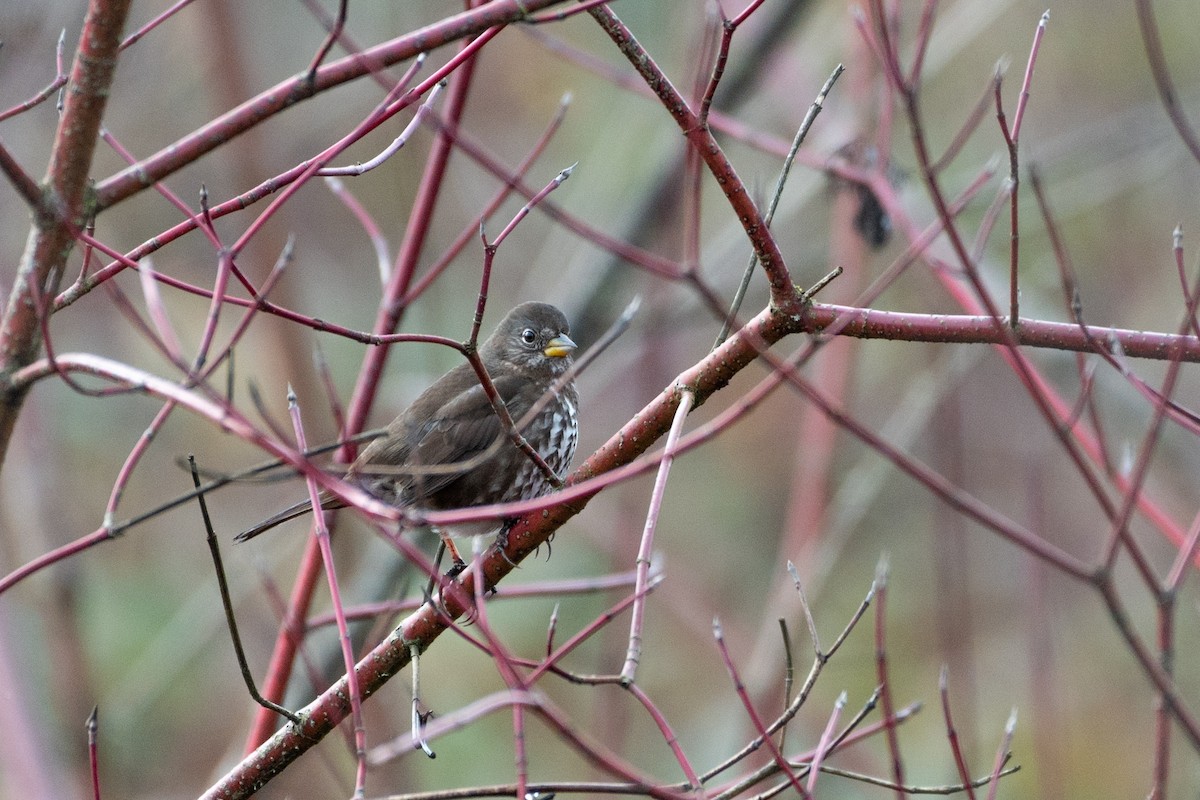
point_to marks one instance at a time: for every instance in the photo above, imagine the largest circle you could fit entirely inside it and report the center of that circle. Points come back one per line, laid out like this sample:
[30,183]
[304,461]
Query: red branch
[299,88]
[62,210]
[784,295]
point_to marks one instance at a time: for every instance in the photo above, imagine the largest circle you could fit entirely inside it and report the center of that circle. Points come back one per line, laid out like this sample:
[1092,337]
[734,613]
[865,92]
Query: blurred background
[135,626]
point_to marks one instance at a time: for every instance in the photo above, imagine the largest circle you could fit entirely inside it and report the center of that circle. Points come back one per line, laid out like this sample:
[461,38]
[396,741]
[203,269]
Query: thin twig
[759,726]
[780,181]
[960,761]
[1002,754]
[335,32]
[214,549]
[633,653]
[323,542]
[92,725]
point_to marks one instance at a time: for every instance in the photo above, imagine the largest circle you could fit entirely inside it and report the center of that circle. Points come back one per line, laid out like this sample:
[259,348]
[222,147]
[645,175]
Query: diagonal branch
[784,295]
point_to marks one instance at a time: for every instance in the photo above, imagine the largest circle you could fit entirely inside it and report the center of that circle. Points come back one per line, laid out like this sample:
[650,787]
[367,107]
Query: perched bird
[415,463]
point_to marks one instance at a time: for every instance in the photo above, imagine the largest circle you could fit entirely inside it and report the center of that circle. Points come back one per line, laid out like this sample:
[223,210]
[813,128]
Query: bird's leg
[457,565]
[418,719]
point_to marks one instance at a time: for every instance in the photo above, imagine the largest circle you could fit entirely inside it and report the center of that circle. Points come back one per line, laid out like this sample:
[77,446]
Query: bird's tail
[291,512]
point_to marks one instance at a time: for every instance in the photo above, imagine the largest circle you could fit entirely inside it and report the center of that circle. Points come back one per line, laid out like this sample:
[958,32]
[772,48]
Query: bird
[448,449]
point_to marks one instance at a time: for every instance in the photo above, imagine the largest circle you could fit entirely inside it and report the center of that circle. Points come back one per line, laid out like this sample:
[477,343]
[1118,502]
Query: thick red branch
[866,323]
[63,210]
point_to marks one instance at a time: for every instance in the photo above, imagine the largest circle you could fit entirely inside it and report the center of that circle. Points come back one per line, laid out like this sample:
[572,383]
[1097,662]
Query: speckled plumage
[453,423]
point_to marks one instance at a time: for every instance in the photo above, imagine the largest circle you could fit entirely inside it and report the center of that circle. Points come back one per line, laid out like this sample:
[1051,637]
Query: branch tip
[882,571]
[566,173]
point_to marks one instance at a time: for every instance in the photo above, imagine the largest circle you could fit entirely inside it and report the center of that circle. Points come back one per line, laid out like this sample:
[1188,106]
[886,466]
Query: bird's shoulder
[451,419]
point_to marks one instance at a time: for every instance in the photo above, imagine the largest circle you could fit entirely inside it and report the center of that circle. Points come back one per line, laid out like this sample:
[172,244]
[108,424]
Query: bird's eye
[529,336]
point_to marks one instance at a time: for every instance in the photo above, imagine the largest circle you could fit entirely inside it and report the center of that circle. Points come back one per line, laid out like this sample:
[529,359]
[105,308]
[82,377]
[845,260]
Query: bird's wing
[463,428]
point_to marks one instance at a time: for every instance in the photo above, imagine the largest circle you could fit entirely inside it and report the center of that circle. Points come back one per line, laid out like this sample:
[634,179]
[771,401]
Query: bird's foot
[501,544]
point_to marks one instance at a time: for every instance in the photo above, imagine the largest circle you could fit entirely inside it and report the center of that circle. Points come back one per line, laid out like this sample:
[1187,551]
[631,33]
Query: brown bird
[453,423]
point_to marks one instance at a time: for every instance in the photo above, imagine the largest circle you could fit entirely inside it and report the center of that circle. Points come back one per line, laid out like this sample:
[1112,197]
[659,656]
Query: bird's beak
[559,346]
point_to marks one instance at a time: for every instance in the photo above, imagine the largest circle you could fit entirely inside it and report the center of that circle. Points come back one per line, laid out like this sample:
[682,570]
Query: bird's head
[532,338]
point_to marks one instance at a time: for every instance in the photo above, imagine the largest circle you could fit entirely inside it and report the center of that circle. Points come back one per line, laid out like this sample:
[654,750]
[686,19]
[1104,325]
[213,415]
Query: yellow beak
[559,346]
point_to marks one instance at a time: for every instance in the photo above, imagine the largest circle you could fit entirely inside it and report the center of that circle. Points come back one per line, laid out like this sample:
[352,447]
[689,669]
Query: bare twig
[773,204]
[223,587]
[633,653]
